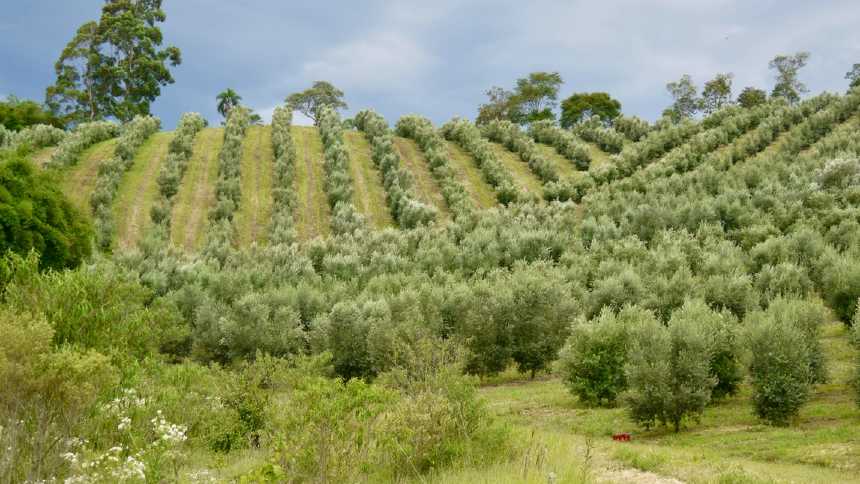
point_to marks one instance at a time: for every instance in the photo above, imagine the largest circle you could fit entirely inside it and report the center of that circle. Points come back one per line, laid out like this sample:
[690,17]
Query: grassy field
[426,188]
[313,214]
[598,156]
[257,178]
[79,181]
[197,191]
[43,155]
[470,176]
[138,191]
[523,176]
[369,194]
[730,444]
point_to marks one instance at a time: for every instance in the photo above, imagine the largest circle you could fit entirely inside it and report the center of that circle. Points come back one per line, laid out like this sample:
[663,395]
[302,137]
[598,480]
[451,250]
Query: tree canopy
[500,106]
[751,97]
[788,85]
[227,100]
[853,75]
[114,67]
[583,105]
[16,114]
[534,99]
[717,93]
[35,215]
[311,101]
[684,93]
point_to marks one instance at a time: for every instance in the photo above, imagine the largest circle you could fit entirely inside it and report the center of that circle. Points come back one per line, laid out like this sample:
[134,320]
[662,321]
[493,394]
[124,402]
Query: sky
[438,58]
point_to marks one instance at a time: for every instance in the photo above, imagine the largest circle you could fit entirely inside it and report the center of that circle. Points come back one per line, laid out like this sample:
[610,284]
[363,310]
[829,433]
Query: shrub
[84,136]
[856,340]
[841,285]
[779,368]
[563,141]
[807,316]
[178,153]
[31,138]
[595,131]
[338,182]
[35,215]
[631,127]
[592,361]
[283,194]
[722,331]
[668,371]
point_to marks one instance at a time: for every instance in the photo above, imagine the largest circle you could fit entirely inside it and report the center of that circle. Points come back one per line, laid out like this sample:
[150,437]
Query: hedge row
[406,209]
[338,182]
[178,153]
[594,130]
[33,137]
[228,188]
[468,136]
[631,127]
[84,136]
[433,146]
[282,230]
[134,134]
[563,141]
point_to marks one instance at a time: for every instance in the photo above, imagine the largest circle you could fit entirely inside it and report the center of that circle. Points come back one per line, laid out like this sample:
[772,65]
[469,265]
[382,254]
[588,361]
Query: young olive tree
[668,372]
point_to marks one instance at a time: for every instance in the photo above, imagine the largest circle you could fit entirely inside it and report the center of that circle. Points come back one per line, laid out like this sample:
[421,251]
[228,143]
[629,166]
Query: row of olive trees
[405,207]
[433,146]
[595,130]
[632,127]
[338,181]
[568,145]
[669,372]
[282,229]
[178,153]
[32,137]
[85,135]
[111,172]
[468,136]
[228,188]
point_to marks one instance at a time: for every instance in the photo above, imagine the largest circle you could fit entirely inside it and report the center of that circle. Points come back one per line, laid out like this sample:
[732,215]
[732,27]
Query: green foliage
[780,370]
[633,128]
[114,67]
[282,228]
[17,114]
[563,141]
[468,136]
[593,359]
[73,145]
[593,129]
[668,371]
[111,172]
[841,285]
[582,106]
[338,182]
[312,101]
[534,99]
[717,93]
[173,169]
[685,99]
[227,100]
[853,76]
[787,85]
[402,201]
[751,97]
[46,391]
[35,215]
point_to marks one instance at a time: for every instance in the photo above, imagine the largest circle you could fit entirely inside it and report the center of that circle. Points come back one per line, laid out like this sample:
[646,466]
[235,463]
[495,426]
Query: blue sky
[437,58]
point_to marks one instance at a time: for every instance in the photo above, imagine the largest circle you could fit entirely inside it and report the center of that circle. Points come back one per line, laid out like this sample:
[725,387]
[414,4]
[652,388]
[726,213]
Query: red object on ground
[624,437]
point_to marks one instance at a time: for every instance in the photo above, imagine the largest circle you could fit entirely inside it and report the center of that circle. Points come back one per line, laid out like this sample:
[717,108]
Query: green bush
[779,368]
[592,361]
[841,285]
[35,215]
[668,371]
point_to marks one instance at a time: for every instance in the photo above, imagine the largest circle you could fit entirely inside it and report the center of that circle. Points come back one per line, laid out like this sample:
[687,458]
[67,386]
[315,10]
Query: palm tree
[227,100]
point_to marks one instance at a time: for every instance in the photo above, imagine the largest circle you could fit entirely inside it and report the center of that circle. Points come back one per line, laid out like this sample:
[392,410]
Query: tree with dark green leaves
[584,105]
[751,97]
[788,85]
[536,97]
[115,67]
[310,101]
[717,93]
[17,114]
[854,76]
[227,100]
[685,95]
[499,107]
[35,215]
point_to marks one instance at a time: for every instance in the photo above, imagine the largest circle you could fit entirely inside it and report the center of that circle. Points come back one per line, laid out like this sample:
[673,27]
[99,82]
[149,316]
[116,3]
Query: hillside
[477,304]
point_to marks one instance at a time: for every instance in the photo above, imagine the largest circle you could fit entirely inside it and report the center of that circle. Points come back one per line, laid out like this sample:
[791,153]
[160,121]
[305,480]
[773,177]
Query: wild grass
[313,215]
[257,177]
[197,191]
[469,174]
[426,188]
[369,194]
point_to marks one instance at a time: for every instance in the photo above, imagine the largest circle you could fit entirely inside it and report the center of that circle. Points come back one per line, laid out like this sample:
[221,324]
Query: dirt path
[138,191]
[257,168]
[313,216]
[79,181]
[369,194]
[427,189]
[197,191]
